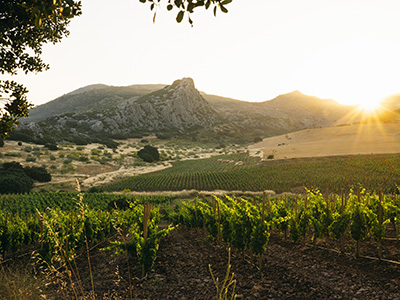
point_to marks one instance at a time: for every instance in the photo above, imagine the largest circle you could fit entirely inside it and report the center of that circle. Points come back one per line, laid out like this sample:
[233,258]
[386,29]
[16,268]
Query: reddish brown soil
[291,271]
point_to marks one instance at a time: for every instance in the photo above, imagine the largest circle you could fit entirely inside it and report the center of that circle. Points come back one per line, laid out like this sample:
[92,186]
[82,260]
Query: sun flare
[370,106]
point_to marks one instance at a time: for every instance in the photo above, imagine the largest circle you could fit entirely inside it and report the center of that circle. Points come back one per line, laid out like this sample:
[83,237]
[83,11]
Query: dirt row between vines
[181,271]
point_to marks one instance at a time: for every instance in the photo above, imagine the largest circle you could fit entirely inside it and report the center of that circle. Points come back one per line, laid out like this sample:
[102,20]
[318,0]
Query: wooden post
[305,202]
[214,208]
[66,235]
[195,211]
[146,217]
[358,241]
[269,205]
[380,222]
[341,213]
[263,209]
[41,232]
[219,224]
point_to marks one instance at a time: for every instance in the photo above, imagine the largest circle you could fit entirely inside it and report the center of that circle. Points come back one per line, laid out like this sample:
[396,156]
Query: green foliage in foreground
[243,173]
[29,203]
[58,236]
[246,224]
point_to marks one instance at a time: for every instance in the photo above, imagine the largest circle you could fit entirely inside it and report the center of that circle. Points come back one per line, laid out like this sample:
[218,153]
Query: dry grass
[16,283]
[373,138]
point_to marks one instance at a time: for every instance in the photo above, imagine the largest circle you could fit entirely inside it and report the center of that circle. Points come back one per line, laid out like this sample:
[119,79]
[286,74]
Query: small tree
[149,154]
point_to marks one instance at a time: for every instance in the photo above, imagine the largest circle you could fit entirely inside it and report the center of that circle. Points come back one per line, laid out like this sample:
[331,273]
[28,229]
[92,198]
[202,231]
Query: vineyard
[64,227]
[359,224]
[248,224]
[32,202]
[243,173]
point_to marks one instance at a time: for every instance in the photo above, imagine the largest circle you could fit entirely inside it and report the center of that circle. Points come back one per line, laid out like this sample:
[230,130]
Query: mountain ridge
[107,112]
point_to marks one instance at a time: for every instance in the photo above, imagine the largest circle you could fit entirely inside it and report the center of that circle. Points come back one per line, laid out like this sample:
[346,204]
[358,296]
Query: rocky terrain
[99,112]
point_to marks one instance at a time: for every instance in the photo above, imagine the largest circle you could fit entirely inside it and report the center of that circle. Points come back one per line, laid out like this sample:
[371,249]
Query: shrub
[38,173]
[52,147]
[149,154]
[1,143]
[67,161]
[271,156]
[30,158]
[13,179]
[13,154]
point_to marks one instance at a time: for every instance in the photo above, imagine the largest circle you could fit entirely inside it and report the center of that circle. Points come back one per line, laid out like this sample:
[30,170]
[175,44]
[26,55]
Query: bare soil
[290,271]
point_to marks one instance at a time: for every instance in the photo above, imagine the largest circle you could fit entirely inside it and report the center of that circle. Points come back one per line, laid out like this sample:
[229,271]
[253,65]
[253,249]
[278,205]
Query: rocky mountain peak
[185,82]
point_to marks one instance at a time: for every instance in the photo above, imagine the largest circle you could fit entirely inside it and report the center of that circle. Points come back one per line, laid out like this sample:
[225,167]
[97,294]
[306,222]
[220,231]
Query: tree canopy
[25,26]
[187,7]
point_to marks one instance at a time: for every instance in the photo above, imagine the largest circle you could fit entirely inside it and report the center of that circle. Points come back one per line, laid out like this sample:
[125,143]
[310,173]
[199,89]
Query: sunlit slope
[341,140]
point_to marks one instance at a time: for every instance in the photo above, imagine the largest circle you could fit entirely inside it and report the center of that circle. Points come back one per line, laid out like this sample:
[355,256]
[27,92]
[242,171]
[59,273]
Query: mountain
[85,98]
[285,113]
[101,112]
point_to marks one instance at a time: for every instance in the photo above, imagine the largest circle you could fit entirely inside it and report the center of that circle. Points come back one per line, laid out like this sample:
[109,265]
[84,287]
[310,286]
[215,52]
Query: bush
[52,147]
[149,154]
[38,173]
[1,143]
[13,179]
[30,159]
[271,156]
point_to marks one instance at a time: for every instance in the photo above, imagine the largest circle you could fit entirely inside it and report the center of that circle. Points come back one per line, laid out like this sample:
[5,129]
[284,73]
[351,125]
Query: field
[95,164]
[371,138]
[241,172]
[269,259]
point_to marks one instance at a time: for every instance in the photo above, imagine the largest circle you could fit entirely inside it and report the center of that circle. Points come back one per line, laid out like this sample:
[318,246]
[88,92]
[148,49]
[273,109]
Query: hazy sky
[347,50]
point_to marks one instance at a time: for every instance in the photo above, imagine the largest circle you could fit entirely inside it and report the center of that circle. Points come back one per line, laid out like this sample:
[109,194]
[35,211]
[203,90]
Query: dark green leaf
[179,17]
[215,11]
[66,12]
[143,1]
[208,4]
[223,9]
[170,6]
[225,2]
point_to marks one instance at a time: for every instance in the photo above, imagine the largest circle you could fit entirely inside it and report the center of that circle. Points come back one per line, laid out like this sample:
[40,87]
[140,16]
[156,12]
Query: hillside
[285,113]
[341,140]
[85,98]
[98,112]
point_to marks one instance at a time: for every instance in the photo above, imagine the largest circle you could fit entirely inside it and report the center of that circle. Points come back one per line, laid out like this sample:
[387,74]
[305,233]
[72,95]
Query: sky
[346,50]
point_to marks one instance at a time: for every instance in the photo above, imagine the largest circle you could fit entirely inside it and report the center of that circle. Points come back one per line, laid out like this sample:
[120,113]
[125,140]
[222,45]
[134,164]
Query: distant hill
[101,112]
[285,113]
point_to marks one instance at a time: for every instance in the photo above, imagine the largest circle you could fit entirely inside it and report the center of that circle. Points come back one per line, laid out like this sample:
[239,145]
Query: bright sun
[370,105]
[354,72]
